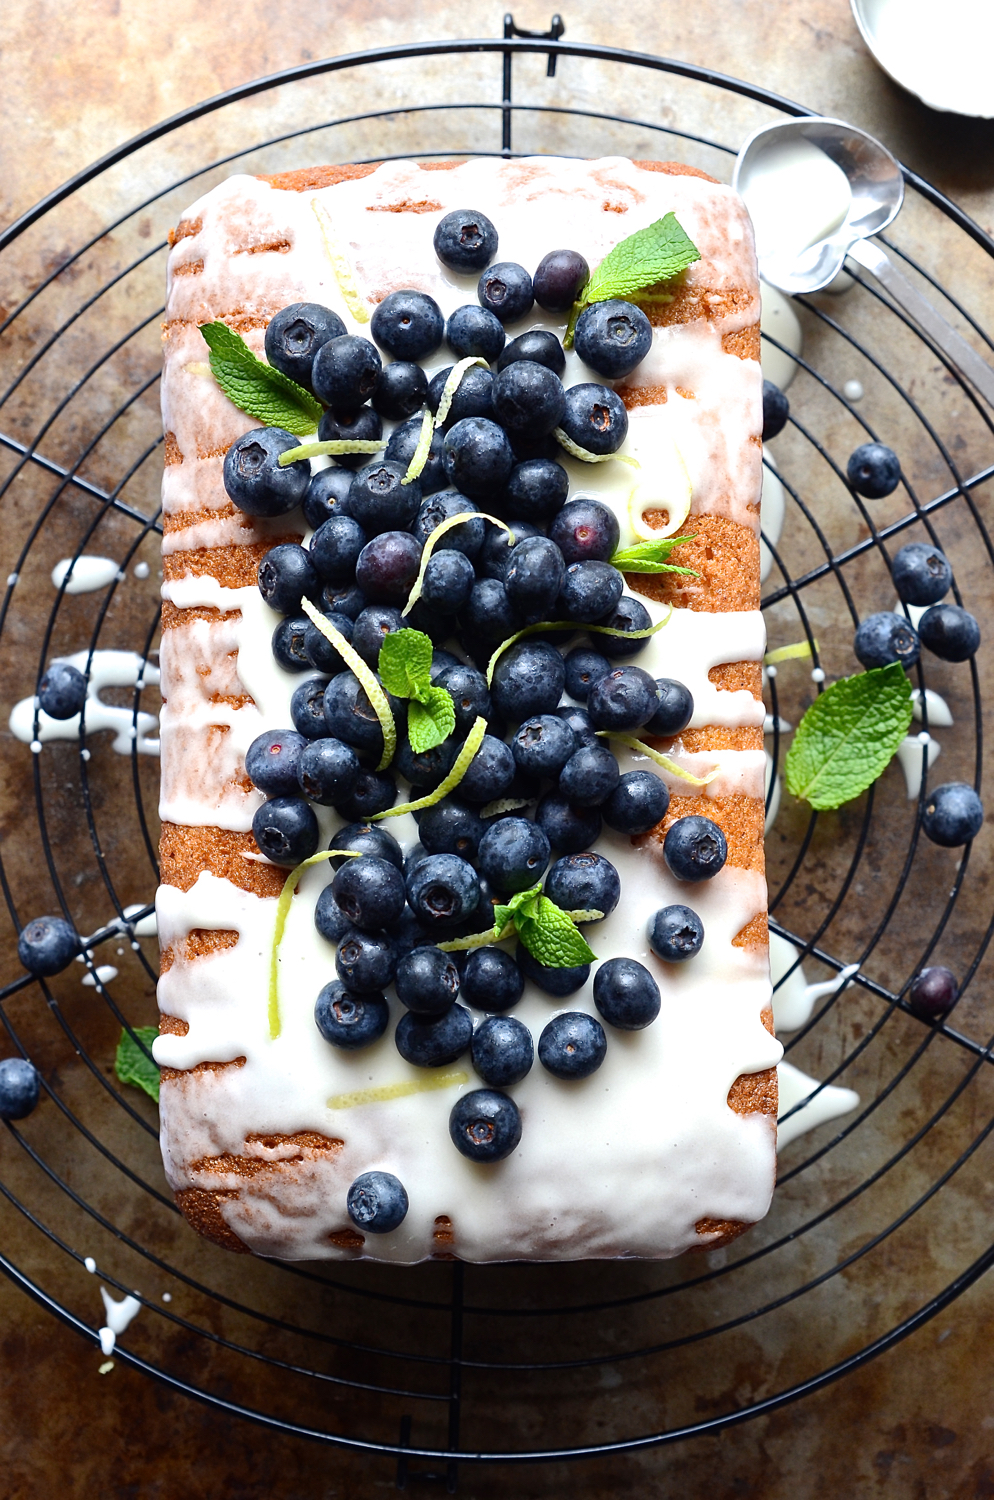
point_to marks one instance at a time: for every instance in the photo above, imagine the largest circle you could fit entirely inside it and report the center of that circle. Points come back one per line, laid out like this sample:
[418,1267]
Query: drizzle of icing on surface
[824,1102]
[118,1315]
[84,574]
[106,669]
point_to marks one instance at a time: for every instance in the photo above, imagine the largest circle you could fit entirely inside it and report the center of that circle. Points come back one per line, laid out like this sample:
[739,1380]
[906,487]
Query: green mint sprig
[405,671]
[132,1066]
[650,557]
[549,933]
[257,388]
[848,737]
[647,257]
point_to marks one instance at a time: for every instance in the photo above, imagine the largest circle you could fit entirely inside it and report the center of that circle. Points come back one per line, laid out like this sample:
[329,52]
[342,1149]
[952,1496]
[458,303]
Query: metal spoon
[877,189]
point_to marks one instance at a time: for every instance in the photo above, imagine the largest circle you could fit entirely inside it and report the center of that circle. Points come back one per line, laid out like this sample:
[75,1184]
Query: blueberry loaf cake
[463,908]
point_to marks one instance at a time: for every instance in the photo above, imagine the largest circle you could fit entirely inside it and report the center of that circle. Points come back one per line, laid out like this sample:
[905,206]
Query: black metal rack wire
[435,1366]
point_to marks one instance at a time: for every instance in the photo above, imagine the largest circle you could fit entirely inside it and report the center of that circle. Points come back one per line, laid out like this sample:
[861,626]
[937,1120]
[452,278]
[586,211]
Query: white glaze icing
[914,763]
[107,669]
[85,574]
[780,321]
[793,997]
[939,713]
[119,1315]
[824,1102]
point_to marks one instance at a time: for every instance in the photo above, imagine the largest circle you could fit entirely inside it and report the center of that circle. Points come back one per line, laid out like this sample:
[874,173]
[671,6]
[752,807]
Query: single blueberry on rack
[505,289]
[954,814]
[427,981]
[345,372]
[465,240]
[933,992]
[491,980]
[921,574]
[431,1043]
[408,324]
[348,1020]
[884,638]
[47,945]
[638,803]
[19,1088]
[286,574]
[295,334]
[776,410]
[675,933]
[626,994]
[695,848]
[559,279]
[572,1046]
[502,1051]
[485,1125]
[949,632]
[272,759]
[873,470]
[612,337]
[286,830]
[377,1202]
[62,691]
[253,479]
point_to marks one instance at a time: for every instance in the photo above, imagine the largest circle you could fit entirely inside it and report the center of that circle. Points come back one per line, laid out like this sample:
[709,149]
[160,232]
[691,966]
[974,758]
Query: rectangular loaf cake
[670,1145]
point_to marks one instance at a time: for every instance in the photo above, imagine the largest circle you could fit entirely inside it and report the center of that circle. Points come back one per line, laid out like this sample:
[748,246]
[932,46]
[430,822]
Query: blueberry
[559,280]
[490,772]
[932,994]
[465,240]
[343,599]
[498,546]
[335,548]
[612,337]
[400,450]
[590,591]
[949,632]
[529,399]
[286,830]
[695,848]
[474,332]
[469,693]
[873,470]
[921,574]
[886,637]
[534,577]
[425,769]
[19,1088]
[289,644]
[581,724]
[572,1045]
[569,829]
[286,574]
[367,839]
[527,448]
[62,691]
[505,289]
[502,1051]
[488,617]
[47,945]
[327,496]
[776,410]
[624,700]
[536,490]
[327,771]
[543,745]
[329,919]
[379,499]
[349,1020]
[528,679]
[253,479]
[373,793]
[626,994]
[408,324]
[589,776]
[319,650]
[584,882]
[675,711]
[675,933]
[954,814]
[485,1125]
[371,629]
[513,854]
[584,667]
[473,396]
[595,418]
[585,531]
[349,715]
[447,582]
[295,335]
[433,1043]
[401,390]
[443,889]
[554,981]
[360,426]
[427,981]
[387,567]
[467,537]
[307,711]
[441,661]
[630,615]
[377,1202]
[345,372]
[491,980]
[478,458]
[272,759]
[365,961]
[638,803]
[539,346]
[451,828]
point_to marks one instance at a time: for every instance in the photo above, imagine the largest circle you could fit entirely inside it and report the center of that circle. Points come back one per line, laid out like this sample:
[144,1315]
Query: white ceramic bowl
[943,53]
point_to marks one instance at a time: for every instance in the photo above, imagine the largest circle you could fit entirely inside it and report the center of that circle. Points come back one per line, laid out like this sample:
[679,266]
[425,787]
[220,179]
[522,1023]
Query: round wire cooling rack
[879,1221]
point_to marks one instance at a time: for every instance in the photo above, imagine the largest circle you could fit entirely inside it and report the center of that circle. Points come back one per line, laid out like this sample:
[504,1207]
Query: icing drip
[83,575]
[118,1315]
[107,669]
[825,1102]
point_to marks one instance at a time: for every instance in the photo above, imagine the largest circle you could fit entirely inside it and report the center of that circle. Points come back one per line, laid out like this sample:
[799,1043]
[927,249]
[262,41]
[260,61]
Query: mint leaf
[503,914]
[431,718]
[551,936]
[257,388]
[848,736]
[650,557]
[646,257]
[132,1066]
[405,663]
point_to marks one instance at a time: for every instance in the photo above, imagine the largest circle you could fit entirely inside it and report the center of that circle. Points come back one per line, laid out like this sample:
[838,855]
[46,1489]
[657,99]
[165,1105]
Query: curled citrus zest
[632,635]
[478,939]
[658,756]
[334,446]
[575,451]
[447,525]
[473,742]
[453,383]
[505,805]
[588,914]
[797,651]
[367,678]
[340,264]
[386,1091]
[282,912]
[420,455]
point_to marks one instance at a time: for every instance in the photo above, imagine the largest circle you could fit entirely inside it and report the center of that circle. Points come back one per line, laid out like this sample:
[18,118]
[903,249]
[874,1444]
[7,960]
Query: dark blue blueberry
[371,629]
[595,418]
[505,289]
[638,803]
[473,332]
[469,693]
[447,582]
[590,591]
[626,994]
[351,717]
[536,490]
[488,617]
[569,829]
[329,919]
[949,632]
[612,337]
[533,578]
[408,934]
[467,537]
[367,839]
[585,531]
[630,615]
[528,679]
[327,771]
[675,933]
[624,700]
[345,372]
[921,574]
[498,545]
[502,1051]
[253,479]
[513,854]
[450,827]
[319,650]
[528,398]
[491,980]
[327,496]
[19,1088]
[350,1020]
[675,711]
[62,691]
[335,548]
[559,279]
[558,982]
[543,745]
[425,769]
[886,637]
[290,644]
[539,346]
[408,325]
[572,1046]
[584,882]
[433,1043]
[442,890]
[295,335]
[377,1202]
[365,961]
[286,830]
[379,499]
[776,410]
[478,458]
[933,992]
[400,391]
[465,240]
[490,772]
[272,759]
[387,567]
[581,724]
[584,667]
[400,450]
[473,396]
[954,814]
[485,1125]
[373,793]
[589,776]
[307,708]
[427,981]
[361,426]
[695,848]
[441,661]
[47,945]
[525,448]
[873,470]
